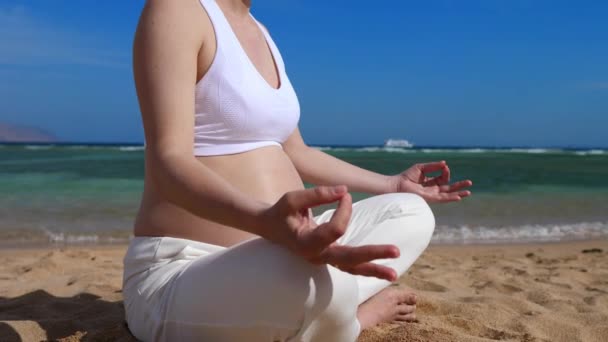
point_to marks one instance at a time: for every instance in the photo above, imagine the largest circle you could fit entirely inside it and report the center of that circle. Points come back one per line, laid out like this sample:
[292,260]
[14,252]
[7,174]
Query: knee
[423,212]
[416,211]
[411,205]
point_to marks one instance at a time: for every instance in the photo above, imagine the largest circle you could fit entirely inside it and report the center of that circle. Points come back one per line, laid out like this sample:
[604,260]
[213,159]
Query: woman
[226,247]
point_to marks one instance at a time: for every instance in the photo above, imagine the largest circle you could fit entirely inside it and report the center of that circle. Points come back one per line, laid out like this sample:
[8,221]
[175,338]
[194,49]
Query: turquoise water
[79,193]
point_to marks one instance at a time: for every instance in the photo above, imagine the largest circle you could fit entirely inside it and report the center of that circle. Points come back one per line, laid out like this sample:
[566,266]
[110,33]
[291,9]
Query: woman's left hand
[432,189]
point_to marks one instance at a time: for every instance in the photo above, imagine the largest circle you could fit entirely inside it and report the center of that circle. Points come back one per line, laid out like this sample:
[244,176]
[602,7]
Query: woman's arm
[167,42]
[320,168]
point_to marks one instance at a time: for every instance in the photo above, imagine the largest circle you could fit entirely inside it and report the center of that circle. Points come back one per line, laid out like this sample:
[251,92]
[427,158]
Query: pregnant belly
[264,174]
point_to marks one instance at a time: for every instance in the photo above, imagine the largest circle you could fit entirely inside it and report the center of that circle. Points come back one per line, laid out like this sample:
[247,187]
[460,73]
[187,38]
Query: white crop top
[236,109]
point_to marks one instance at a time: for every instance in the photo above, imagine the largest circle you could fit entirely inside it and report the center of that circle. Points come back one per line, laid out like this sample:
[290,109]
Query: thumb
[303,199]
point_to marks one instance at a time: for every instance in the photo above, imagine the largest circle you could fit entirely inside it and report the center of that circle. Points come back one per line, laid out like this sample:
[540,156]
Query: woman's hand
[432,189]
[290,223]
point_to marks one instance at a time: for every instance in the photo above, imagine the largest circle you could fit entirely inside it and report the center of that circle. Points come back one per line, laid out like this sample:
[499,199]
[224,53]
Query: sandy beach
[539,292]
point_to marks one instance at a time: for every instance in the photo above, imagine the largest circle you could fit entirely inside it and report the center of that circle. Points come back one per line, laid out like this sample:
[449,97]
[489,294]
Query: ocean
[87,193]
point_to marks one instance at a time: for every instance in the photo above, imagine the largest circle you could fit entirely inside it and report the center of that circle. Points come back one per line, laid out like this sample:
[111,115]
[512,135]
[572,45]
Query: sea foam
[524,233]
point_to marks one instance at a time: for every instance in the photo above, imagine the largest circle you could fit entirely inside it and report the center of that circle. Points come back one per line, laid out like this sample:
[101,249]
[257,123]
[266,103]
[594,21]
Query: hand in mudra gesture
[293,226]
[432,189]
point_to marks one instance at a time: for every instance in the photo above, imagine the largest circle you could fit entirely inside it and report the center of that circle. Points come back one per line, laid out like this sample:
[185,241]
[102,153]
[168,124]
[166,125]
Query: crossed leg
[401,219]
[258,291]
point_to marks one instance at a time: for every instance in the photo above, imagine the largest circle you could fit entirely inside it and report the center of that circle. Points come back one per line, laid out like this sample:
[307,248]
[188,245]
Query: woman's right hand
[290,223]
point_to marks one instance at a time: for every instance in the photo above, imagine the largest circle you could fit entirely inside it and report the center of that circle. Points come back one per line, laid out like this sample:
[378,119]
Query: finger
[431,181]
[312,197]
[444,197]
[370,269]
[318,239]
[464,193]
[451,197]
[445,176]
[442,179]
[352,256]
[432,167]
[456,186]
[341,216]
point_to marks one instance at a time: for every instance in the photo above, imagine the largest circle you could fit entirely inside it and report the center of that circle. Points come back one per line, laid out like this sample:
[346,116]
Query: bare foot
[392,304]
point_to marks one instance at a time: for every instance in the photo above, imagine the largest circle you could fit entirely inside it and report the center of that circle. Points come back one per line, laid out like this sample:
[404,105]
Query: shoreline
[515,292]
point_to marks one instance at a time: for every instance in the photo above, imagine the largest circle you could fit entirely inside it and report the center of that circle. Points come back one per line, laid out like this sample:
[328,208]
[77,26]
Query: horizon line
[137,143]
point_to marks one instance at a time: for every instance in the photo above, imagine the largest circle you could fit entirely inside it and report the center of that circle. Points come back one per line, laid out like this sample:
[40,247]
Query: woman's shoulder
[168,38]
[182,20]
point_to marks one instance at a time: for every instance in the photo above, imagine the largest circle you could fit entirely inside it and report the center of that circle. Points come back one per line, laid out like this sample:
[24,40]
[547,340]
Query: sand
[541,292]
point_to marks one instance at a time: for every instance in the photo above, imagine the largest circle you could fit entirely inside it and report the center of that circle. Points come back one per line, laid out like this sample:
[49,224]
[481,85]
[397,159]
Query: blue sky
[484,72]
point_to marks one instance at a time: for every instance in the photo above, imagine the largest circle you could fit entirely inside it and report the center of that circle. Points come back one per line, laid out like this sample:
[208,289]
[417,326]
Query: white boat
[398,143]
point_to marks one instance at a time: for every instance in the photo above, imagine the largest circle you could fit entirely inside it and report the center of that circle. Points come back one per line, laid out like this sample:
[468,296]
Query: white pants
[183,290]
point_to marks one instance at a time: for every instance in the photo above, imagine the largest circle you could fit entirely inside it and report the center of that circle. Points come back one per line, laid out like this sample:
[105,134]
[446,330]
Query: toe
[410,317]
[407,297]
[404,309]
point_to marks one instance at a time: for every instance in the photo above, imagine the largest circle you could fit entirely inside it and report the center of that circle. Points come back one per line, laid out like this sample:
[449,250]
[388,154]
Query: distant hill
[22,133]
